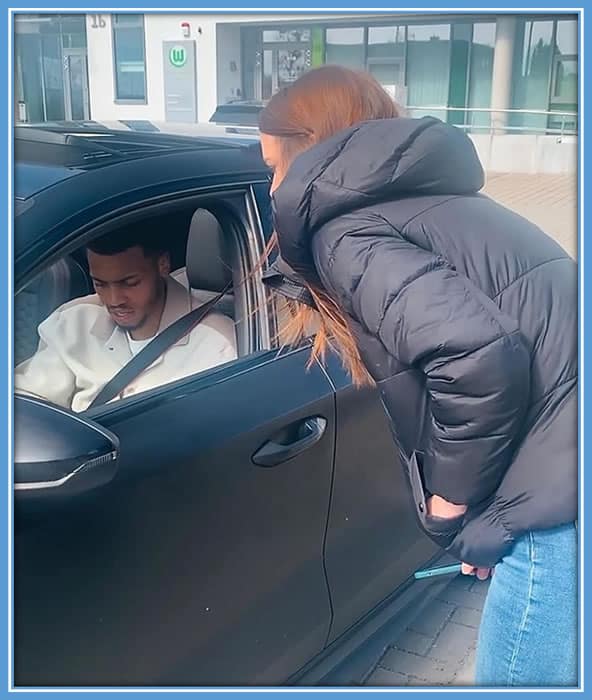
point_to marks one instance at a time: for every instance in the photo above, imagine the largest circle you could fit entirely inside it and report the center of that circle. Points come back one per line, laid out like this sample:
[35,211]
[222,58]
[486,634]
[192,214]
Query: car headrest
[208,262]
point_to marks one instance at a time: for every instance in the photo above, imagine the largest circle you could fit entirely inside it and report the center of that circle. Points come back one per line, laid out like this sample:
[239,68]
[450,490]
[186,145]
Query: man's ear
[164,264]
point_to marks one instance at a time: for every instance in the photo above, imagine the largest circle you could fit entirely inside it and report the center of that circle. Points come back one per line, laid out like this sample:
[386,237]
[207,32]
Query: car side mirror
[58,453]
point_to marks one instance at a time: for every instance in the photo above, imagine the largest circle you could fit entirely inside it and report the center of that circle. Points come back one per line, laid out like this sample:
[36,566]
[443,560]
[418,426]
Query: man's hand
[482,573]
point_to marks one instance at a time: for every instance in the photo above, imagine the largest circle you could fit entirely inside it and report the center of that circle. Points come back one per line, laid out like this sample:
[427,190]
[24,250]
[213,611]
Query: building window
[460,50]
[565,63]
[281,36]
[74,31]
[344,46]
[565,84]
[564,81]
[481,72]
[386,58]
[428,69]
[129,57]
[532,72]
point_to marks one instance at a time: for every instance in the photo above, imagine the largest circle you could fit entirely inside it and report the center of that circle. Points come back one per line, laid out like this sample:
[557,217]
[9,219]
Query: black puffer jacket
[465,313]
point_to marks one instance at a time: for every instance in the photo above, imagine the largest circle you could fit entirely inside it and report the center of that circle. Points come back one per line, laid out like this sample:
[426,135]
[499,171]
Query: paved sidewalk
[438,648]
[550,201]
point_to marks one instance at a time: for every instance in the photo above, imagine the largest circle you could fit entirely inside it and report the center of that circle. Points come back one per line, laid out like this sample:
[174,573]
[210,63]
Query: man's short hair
[152,242]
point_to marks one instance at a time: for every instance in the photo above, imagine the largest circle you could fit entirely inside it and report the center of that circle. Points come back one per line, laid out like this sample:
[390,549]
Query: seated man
[85,342]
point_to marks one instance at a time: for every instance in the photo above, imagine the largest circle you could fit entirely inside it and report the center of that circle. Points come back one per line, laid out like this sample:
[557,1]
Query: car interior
[205,257]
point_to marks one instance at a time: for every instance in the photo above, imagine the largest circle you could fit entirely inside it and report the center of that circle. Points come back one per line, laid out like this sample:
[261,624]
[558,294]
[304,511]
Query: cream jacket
[81,349]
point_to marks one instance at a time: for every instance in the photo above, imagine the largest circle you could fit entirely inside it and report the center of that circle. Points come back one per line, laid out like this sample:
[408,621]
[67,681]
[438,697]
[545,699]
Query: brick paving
[438,648]
[550,201]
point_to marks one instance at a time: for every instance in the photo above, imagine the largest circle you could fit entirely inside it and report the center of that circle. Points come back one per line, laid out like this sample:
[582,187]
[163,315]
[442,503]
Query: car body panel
[374,543]
[195,566]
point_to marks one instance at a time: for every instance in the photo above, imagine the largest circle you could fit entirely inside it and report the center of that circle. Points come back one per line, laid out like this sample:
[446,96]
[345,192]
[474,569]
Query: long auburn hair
[318,105]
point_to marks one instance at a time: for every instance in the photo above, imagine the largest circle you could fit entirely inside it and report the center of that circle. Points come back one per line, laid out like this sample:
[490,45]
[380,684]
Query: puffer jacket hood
[400,157]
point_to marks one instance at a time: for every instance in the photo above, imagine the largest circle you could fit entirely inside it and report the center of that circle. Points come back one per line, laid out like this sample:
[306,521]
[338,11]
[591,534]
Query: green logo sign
[178,56]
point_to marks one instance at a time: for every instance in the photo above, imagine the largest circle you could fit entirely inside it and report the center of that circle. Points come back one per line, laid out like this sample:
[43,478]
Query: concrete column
[501,83]
[207,71]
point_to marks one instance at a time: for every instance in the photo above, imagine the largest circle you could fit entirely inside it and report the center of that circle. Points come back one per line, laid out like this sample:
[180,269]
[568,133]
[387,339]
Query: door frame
[67,53]
[275,47]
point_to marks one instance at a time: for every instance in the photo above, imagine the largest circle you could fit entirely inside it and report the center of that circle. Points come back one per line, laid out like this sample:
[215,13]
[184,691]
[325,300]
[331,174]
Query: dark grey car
[237,527]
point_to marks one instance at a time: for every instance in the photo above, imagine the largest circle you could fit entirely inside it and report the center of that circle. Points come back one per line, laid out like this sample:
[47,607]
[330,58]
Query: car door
[201,563]
[374,543]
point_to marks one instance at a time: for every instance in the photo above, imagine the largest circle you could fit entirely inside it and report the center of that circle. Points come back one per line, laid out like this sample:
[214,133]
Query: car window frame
[274,300]
[250,240]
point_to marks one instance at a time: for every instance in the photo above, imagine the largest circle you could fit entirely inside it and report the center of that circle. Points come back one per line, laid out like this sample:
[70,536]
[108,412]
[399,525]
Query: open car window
[68,344]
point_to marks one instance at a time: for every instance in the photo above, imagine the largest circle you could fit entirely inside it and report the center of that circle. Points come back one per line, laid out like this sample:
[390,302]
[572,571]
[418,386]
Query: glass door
[75,84]
[269,80]
[283,55]
[291,62]
[279,67]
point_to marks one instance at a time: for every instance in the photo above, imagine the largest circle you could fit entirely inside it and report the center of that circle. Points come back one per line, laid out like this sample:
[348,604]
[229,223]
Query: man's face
[132,288]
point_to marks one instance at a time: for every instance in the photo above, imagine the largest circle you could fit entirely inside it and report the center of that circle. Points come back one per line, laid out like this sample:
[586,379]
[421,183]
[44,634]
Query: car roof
[46,154]
[66,175]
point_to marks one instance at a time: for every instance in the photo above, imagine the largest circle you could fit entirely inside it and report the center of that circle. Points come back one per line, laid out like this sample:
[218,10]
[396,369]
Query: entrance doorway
[279,66]
[273,58]
[75,84]
[51,74]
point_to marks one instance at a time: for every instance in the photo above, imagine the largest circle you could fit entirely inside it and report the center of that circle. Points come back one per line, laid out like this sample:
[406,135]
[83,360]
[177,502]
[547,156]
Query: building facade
[469,69]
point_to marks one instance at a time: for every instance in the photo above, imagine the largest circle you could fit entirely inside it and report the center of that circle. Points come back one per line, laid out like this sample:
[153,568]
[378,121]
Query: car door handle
[306,434]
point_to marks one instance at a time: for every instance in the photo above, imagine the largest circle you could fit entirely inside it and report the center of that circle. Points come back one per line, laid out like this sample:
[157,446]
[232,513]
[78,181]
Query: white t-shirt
[137,345]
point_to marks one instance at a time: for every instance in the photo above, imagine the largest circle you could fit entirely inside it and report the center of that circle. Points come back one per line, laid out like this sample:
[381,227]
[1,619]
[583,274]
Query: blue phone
[438,571]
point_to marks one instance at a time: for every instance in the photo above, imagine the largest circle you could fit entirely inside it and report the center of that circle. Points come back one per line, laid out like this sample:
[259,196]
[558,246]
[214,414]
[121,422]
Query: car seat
[65,279]
[211,262]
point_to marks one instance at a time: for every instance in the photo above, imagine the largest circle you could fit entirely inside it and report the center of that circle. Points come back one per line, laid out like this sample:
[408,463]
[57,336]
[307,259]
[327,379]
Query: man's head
[129,268]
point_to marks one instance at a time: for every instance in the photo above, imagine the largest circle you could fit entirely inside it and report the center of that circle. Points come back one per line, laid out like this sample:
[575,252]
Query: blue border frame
[6,306]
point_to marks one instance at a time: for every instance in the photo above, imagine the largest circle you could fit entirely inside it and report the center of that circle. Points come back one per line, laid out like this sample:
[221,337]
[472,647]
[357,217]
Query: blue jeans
[529,629]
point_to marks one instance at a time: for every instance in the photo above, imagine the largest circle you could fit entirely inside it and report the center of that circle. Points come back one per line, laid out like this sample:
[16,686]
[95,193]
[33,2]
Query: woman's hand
[482,573]
[439,507]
